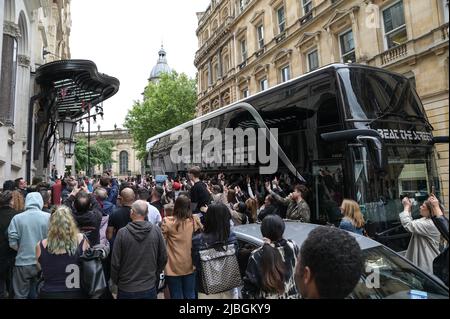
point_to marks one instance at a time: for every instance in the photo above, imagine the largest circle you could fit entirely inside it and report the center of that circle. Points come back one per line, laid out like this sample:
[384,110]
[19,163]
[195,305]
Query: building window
[226,64]
[216,72]
[313,60]
[394,25]
[307,6]
[347,45]
[224,13]
[8,79]
[285,74]
[123,162]
[281,20]
[242,5]
[244,50]
[263,84]
[244,93]
[260,32]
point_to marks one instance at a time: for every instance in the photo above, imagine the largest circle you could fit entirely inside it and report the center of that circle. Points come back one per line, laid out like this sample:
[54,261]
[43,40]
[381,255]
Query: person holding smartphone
[423,247]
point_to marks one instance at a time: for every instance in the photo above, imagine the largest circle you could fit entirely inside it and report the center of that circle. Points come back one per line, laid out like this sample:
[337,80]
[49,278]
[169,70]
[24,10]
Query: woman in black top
[217,231]
[58,256]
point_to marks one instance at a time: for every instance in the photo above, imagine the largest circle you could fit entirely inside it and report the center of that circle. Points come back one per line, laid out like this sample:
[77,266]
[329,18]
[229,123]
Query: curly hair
[62,232]
[18,202]
[335,260]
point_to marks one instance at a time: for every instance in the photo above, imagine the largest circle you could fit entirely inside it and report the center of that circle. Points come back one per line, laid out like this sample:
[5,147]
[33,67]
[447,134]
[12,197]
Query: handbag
[93,282]
[219,269]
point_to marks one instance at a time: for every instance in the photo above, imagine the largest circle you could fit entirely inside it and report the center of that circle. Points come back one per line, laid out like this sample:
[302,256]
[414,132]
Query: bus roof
[226,108]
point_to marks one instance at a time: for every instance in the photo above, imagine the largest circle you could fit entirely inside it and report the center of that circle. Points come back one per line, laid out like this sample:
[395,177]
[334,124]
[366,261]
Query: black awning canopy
[76,86]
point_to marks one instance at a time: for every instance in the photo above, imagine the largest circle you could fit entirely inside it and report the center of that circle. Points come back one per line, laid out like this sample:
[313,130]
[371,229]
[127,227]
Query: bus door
[328,192]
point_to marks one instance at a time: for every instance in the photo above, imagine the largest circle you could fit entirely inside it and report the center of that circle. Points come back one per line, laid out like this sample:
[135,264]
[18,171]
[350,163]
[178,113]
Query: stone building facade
[32,33]
[246,46]
[124,156]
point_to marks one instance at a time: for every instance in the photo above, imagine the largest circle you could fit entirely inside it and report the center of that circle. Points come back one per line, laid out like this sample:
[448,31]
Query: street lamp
[66,128]
[69,148]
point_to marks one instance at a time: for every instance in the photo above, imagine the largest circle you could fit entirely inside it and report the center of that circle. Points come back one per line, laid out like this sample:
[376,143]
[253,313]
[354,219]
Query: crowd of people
[151,228]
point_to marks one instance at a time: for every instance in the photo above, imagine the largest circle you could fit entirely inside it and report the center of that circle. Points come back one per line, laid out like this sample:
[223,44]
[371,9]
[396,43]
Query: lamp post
[66,128]
[98,111]
[69,148]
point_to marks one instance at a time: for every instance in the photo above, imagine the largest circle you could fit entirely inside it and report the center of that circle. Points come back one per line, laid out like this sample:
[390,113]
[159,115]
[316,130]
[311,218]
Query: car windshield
[389,276]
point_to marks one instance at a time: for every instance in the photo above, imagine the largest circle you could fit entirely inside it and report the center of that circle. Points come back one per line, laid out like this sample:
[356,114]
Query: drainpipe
[30,135]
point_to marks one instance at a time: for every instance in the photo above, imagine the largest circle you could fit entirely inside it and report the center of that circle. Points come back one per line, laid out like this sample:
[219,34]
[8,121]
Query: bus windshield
[411,171]
[373,94]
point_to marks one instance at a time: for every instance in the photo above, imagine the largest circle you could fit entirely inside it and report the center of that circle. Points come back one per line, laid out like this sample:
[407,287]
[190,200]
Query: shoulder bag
[93,280]
[219,269]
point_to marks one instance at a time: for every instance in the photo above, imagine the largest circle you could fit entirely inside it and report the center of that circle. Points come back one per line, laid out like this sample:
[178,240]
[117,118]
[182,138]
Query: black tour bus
[347,131]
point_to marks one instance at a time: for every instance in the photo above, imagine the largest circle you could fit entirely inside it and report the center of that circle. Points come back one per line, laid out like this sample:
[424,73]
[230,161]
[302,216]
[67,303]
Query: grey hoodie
[139,254]
[27,229]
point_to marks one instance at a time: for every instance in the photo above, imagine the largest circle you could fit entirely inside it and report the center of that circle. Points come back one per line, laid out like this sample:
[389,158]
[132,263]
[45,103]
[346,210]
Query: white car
[387,274]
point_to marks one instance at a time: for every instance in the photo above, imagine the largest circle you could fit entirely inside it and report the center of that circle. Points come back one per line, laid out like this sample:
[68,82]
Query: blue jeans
[147,294]
[182,287]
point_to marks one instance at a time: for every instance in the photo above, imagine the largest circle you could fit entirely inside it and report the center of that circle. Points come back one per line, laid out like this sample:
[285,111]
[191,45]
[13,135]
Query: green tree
[166,104]
[101,153]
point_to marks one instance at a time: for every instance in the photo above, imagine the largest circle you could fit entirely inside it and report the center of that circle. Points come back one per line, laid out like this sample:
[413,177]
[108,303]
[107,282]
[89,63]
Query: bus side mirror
[376,151]
[440,140]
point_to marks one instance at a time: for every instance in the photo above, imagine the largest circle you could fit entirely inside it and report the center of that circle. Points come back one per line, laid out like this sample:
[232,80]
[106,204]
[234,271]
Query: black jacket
[6,215]
[138,256]
[269,210]
[88,222]
[440,263]
[200,196]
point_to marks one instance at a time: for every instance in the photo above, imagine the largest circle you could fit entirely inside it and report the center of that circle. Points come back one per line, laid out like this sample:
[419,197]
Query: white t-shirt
[154,216]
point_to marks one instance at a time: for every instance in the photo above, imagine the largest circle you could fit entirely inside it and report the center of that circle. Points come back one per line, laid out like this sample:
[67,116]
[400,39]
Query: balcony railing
[394,54]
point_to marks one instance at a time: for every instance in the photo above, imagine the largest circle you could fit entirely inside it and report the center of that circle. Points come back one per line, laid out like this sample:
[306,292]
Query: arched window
[215,25]
[123,161]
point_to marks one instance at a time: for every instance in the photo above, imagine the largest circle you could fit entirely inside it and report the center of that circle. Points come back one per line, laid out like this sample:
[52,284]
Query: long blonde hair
[351,210]
[62,232]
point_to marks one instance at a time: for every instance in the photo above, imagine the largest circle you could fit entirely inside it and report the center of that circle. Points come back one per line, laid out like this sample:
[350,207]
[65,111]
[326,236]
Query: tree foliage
[166,104]
[101,153]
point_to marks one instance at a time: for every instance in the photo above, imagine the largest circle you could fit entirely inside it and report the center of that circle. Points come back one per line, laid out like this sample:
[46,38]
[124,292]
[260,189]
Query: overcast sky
[123,39]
